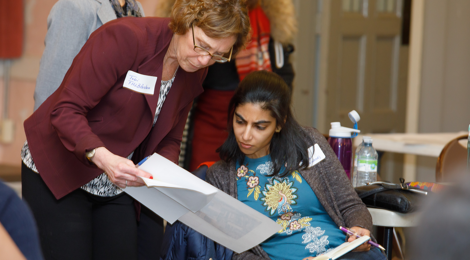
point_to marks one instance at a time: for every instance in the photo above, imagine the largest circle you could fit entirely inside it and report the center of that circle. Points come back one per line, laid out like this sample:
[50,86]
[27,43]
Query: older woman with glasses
[127,95]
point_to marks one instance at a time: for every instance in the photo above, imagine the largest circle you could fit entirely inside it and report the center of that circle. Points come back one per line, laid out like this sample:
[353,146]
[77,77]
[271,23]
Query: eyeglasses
[203,51]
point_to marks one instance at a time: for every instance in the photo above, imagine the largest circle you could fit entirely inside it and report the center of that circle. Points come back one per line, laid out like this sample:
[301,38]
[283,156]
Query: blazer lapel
[106,12]
[154,67]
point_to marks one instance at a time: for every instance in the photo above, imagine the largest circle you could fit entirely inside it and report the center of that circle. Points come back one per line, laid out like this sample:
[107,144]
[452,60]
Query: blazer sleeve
[68,28]
[107,55]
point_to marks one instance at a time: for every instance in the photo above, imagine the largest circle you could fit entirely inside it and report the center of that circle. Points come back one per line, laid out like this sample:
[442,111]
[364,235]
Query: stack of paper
[176,194]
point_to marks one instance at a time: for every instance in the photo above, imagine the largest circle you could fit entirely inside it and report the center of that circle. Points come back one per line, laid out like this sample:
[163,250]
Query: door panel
[363,67]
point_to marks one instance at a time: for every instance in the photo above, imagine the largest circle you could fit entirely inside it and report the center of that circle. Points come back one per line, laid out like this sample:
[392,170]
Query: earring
[278,130]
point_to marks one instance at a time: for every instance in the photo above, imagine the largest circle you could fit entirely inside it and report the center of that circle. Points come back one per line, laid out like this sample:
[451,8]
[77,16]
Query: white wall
[445,90]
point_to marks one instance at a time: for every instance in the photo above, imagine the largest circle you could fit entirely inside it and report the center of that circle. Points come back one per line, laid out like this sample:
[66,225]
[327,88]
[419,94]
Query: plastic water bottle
[367,164]
[354,162]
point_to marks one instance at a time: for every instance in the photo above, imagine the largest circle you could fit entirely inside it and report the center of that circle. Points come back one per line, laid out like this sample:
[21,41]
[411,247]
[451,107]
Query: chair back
[452,160]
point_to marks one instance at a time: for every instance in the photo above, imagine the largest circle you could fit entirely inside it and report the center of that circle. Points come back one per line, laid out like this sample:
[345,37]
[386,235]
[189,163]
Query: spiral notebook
[343,249]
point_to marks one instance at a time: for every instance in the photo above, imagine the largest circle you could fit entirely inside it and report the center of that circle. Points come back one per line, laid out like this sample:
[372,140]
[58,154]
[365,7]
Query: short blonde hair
[217,18]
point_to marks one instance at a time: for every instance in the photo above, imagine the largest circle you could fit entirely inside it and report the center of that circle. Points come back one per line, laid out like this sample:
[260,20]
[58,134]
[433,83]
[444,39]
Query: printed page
[176,194]
[231,223]
[158,202]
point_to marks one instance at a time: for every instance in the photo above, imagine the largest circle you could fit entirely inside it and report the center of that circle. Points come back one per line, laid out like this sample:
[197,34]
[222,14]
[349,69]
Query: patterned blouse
[307,229]
[101,185]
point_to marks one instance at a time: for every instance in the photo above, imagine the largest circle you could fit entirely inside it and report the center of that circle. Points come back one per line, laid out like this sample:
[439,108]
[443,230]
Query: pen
[349,232]
[143,160]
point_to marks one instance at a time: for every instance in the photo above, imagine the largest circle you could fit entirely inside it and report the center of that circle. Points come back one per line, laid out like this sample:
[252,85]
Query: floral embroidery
[265,168]
[314,242]
[294,225]
[252,182]
[242,171]
[291,221]
[279,195]
[296,175]
[287,216]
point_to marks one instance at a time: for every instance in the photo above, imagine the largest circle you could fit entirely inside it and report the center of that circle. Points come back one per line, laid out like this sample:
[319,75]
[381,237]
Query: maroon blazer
[92,109]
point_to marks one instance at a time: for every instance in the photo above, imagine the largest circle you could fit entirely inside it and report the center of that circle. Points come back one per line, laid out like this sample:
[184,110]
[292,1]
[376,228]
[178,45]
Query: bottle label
[366,165]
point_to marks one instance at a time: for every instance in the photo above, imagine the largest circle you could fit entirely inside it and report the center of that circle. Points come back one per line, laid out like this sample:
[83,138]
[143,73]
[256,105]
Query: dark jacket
[327,179]
[92,109]
[182,242]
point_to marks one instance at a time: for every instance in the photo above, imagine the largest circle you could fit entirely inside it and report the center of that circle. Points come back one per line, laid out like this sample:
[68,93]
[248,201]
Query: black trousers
[83,226]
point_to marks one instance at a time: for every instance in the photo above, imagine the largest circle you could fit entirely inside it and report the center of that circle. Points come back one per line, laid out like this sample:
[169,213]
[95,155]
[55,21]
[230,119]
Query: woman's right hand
[121,171]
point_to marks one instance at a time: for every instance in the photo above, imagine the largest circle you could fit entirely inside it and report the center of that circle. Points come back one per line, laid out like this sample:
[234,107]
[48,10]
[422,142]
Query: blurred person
[442,232]
[273,25]
[18,233]
[83,142]
[268,163]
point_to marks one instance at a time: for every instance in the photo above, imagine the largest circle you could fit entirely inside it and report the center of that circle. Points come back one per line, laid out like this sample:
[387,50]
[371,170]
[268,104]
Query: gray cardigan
[327,179]
[69,26]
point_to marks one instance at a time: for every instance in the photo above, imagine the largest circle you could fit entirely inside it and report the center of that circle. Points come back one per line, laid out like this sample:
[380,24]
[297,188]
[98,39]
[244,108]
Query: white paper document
[343,249]
[176,194]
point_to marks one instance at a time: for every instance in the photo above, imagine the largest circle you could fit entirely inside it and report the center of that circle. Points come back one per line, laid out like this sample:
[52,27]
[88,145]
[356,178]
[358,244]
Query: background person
[442,232]
[92,124]
[261,167]
[69,26]
[18,233]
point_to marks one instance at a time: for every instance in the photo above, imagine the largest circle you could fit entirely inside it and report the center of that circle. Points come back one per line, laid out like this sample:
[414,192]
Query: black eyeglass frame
[216,58]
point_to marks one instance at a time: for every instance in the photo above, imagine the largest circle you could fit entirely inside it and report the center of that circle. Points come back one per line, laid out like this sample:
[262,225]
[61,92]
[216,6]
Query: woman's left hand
[361,232]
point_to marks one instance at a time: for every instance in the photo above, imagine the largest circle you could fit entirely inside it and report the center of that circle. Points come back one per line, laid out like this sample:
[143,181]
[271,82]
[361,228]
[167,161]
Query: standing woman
[126,96]
[288,173]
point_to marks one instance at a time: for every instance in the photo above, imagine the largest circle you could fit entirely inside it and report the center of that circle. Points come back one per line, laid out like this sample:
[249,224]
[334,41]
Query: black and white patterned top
[101,185]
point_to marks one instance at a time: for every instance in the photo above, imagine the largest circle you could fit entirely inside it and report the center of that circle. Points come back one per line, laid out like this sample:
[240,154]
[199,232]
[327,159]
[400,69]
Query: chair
[452,160]
[391,220]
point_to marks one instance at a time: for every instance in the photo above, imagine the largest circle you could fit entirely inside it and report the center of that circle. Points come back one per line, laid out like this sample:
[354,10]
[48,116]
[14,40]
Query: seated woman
[288,173]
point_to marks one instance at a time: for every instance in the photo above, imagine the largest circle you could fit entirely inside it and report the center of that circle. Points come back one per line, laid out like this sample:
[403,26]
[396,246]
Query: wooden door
[365,68]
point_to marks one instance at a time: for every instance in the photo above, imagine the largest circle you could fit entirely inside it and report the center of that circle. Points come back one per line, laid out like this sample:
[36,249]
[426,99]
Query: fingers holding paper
[121,171]
[361,232]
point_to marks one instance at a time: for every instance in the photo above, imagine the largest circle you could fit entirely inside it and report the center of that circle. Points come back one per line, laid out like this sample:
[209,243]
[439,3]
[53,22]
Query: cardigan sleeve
[353,211]
[107,55]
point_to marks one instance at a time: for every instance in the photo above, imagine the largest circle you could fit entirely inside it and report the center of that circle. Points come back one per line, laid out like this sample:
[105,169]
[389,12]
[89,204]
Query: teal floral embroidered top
[307,229]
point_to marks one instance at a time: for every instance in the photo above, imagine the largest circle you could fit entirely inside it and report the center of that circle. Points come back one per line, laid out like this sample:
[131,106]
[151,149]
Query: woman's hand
[121,171]
[361,232]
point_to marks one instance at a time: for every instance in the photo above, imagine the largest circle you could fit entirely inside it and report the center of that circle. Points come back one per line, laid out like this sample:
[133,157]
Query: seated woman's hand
[121,171]
[361,232]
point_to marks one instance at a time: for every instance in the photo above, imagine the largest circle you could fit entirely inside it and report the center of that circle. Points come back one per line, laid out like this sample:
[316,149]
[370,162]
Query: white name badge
[314,158]
[140,83]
